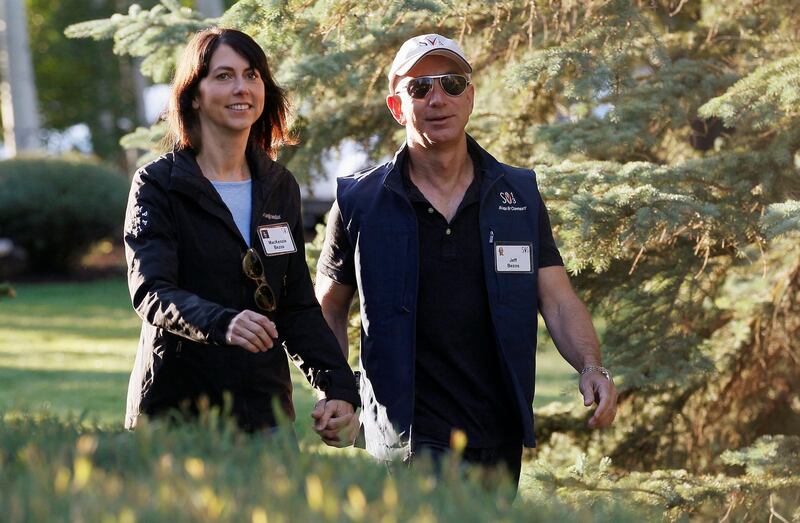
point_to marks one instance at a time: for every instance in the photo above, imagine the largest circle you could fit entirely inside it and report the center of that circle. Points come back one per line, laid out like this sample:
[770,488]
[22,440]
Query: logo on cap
[432,41]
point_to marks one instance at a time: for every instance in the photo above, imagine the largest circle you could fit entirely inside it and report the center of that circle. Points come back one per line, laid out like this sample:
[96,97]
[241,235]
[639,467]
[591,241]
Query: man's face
[438,118]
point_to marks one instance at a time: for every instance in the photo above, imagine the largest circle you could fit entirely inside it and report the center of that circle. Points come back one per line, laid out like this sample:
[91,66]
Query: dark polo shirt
[459,383]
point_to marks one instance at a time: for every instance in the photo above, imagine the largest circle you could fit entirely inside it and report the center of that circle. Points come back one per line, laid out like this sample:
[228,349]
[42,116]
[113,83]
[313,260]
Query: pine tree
[666,139]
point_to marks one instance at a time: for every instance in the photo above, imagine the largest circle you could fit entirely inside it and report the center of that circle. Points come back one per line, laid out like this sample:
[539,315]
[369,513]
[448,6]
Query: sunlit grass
[69,347]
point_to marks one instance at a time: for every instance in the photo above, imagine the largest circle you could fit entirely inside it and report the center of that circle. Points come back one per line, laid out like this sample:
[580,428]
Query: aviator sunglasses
[419,87]
[254,269]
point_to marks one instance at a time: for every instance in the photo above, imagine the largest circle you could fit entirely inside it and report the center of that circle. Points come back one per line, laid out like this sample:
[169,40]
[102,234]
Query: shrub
[6,290]
[56,208]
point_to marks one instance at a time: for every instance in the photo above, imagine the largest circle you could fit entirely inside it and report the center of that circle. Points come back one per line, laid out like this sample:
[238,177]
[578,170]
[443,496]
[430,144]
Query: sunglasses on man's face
[419,87]
[254,269]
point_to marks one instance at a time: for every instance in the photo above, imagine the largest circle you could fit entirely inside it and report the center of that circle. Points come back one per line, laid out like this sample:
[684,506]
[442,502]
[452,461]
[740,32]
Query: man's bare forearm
[570,326]
[567,319]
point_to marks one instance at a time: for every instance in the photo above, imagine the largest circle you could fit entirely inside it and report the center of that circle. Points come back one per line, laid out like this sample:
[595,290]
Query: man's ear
[395,105]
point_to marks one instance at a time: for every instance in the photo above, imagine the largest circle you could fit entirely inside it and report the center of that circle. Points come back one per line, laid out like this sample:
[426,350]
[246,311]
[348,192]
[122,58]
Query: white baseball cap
[414,49]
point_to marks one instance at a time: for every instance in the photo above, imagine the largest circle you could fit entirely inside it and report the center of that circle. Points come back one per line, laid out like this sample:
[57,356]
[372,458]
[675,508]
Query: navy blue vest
[382,228]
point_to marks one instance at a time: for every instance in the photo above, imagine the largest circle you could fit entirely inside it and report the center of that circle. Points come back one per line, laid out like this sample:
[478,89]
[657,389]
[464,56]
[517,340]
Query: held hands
[596,388]
[251,331]
[336,422]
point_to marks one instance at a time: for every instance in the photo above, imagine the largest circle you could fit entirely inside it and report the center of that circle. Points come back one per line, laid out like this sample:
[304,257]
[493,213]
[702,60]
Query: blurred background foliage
[666,140]
[73,89]
[57,208]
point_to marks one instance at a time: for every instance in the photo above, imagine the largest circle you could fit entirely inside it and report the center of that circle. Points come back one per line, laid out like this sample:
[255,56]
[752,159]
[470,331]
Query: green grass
[65,354]
[69,347]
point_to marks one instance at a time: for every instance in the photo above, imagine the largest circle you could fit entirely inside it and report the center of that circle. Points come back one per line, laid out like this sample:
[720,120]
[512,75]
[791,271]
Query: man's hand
[335,422]
[596,388]
[251,331]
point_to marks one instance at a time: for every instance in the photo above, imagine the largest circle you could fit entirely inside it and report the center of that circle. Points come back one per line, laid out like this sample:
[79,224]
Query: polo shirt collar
[488,167]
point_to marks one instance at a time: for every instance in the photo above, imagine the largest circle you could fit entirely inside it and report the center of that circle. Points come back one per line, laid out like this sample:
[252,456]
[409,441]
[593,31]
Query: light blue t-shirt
[237,196]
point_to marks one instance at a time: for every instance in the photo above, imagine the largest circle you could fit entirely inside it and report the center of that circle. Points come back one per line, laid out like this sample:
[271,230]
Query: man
[452,255]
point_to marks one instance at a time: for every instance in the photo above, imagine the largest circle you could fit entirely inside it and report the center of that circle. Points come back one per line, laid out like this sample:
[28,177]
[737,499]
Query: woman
[214,245]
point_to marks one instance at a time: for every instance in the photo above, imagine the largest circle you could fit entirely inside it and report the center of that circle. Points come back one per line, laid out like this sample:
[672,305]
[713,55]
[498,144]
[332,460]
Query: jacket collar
[187,178]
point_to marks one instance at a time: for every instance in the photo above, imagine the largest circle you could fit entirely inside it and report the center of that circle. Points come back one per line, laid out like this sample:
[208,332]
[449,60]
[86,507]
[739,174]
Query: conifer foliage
[666,139]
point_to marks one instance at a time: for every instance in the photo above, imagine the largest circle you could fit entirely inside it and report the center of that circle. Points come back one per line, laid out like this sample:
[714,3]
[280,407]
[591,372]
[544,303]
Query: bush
[6,290]
[56,208]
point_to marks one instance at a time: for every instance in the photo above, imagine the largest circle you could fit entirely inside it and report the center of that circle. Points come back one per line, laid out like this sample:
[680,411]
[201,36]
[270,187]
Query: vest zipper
[404,197]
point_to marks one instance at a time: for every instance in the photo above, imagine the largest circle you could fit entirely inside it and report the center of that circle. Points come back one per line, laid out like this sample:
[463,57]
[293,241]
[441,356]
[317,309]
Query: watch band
[594,368]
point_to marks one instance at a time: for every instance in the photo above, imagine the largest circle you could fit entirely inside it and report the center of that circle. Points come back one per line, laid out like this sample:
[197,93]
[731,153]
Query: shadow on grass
[84,321]
[101,395]
[92,310]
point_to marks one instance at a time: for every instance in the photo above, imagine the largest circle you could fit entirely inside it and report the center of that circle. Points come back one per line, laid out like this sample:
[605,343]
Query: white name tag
[277,239]
[513,257]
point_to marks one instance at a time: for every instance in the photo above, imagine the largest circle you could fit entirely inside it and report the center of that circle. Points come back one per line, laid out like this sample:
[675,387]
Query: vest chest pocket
[384,267]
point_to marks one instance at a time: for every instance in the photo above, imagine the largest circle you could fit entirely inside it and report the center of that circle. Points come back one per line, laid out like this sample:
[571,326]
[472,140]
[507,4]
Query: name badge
[277,239]
[513,257]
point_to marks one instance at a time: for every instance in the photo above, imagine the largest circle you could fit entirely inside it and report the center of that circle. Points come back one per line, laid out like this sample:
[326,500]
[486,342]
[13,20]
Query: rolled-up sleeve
[336,261]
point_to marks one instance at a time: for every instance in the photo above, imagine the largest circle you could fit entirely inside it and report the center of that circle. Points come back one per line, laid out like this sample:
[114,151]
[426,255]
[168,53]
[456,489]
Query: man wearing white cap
[452,255]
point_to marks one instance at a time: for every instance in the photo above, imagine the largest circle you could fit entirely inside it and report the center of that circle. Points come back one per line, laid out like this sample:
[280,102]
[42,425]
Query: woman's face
[231,97]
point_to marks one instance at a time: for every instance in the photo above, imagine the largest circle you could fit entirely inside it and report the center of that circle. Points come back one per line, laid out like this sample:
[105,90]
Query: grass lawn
[69,347]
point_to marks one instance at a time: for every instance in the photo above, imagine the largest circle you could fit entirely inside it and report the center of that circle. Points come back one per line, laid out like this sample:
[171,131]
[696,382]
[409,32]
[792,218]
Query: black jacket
[184,255]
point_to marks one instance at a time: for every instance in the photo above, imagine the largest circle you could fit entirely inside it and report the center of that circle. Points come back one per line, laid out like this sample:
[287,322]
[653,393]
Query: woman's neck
[222,158]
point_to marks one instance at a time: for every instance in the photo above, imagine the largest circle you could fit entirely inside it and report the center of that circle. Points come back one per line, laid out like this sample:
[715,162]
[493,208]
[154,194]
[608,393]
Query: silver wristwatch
[594,368]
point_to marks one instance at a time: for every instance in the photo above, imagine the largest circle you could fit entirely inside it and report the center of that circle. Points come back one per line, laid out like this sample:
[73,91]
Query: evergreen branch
[154,34]
[781,218]
[772,89]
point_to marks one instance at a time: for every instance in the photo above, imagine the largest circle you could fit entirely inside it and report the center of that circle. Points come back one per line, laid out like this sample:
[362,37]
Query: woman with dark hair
[216,264]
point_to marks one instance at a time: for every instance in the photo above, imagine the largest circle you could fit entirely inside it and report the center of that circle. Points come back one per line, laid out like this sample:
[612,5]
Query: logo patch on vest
[509,203]
[507,198]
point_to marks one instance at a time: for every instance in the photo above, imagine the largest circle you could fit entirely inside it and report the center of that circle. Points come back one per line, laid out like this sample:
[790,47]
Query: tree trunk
[17,89]
[759,394]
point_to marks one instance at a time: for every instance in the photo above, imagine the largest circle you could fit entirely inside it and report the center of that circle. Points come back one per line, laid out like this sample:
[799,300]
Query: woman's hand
[251,331]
